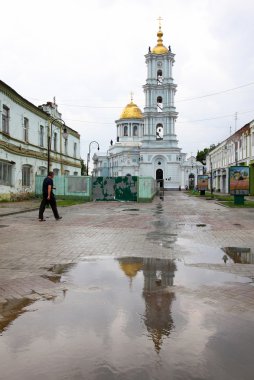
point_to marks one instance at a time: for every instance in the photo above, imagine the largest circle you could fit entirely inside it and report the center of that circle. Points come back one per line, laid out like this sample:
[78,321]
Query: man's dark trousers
[52,202]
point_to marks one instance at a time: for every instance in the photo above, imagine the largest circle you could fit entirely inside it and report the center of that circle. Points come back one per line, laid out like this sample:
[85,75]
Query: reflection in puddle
[123,319]
[11,310]
[158,277]
[240,255]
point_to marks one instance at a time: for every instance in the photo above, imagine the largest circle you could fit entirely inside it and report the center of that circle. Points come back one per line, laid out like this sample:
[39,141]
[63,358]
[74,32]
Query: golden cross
[160,19]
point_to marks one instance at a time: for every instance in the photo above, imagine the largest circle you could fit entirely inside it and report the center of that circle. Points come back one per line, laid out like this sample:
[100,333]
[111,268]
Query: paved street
[181,237]
[182,227]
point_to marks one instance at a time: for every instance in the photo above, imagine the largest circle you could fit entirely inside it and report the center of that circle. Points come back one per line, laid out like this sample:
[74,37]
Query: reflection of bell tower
[158,277]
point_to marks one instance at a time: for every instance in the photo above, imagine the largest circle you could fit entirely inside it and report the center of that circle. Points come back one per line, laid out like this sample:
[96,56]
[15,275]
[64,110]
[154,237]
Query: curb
[18,212]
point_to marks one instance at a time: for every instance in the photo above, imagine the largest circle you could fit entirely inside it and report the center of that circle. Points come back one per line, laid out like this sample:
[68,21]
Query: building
[146,143]
[24,131]
[237,149]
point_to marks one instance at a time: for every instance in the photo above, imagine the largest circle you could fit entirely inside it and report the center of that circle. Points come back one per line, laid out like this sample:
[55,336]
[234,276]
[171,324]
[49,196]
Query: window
[75,150]
[135,130]
[159,77]
[26,127]
[5,173]
[66,172]
[75,173]
[56,172]
[125,130]
[55,141]
[252,139]
[159,132]
[43,170]
[26,175]
[5,119]
[159,104]
[65,146]
[41,136]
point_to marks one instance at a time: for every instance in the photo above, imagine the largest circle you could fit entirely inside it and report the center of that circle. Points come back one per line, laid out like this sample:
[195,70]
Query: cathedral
[146,142]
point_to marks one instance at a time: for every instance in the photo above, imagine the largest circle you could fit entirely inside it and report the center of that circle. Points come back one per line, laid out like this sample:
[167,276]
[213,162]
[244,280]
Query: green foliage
[201,155]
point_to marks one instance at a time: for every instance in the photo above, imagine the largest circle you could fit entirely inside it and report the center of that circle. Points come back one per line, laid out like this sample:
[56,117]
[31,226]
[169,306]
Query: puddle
[124,319]
[201,225]
[239,255]
[3,225]
[162,238]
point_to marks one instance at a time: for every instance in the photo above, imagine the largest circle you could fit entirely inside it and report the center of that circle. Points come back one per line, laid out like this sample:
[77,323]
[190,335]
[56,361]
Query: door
[159,177]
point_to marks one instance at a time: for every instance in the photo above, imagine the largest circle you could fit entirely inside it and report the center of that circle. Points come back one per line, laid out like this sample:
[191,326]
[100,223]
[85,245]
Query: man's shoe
[60,217]
[42,220]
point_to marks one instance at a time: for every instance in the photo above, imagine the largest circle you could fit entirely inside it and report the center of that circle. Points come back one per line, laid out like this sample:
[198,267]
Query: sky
[89,55]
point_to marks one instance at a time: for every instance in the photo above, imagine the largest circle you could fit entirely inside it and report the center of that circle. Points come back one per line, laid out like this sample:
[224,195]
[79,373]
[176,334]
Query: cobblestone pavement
[185,228]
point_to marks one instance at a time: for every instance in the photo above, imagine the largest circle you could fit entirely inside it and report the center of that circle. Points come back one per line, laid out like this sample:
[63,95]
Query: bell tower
[160,156]
[159,112]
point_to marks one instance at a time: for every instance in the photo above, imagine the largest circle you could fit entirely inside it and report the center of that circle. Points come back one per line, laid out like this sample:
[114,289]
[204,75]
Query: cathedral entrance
[159,177]
[191,181]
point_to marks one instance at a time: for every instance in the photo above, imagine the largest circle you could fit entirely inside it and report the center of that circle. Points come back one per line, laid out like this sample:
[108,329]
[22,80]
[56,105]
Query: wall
[68,186]
[147,188]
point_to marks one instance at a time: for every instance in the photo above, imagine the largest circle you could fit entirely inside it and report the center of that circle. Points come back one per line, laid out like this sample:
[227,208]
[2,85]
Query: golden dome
[160,48]
[131,111]
[131,269]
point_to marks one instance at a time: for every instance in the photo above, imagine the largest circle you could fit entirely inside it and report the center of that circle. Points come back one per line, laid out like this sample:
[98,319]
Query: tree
[201,155]
[83,168]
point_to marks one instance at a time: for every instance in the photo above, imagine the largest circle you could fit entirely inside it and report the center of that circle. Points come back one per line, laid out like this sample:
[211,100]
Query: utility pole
[235,121]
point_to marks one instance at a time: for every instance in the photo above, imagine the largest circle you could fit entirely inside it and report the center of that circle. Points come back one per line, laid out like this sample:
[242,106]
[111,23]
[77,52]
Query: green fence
[147,188]
[127,188]
[115,188]
[68,186]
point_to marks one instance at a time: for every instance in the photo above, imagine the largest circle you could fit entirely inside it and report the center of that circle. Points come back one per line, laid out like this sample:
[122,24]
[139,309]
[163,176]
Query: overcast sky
[90,56]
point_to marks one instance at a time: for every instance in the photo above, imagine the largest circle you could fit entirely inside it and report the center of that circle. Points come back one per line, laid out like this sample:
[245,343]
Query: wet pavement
[127,291]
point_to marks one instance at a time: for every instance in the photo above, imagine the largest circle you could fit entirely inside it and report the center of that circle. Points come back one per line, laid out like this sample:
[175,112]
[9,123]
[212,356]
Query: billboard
[202,182]
[239,180]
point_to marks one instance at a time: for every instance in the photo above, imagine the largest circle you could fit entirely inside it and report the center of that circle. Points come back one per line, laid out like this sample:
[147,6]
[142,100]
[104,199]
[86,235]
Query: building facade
[146,143]
[24,132]
[237,149]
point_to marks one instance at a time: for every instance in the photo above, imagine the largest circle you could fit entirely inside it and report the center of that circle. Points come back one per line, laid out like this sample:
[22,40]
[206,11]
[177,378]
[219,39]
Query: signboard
[239,180]
[202,182]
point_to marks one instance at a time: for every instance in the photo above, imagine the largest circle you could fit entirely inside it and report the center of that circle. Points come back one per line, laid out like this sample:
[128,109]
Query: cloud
[92,54]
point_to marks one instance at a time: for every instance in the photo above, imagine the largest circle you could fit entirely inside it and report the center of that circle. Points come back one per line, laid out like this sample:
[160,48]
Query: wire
[178,101]
[179,122]
[216,93]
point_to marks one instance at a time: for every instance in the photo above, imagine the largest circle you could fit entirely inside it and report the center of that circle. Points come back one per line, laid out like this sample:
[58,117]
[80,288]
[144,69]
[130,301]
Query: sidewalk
[11,208]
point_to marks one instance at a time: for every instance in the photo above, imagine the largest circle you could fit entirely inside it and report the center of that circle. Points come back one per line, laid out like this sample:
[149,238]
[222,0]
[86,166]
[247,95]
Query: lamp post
[211,176]
[65,135]
[88,154]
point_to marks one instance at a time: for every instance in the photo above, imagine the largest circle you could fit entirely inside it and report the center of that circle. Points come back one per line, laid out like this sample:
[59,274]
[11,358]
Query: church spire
[160,48]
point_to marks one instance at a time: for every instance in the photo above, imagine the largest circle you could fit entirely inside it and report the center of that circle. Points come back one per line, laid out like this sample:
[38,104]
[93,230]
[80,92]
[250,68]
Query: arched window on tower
[159,132]
[159,104]
[135,130]
[159,77]
[125,130]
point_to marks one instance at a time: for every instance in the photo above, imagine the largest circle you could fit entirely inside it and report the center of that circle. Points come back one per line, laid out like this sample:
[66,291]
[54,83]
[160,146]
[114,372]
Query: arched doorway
[159,177]
[191,181]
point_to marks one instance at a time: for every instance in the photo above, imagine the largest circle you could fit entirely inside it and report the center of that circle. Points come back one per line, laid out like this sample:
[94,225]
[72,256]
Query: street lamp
[65,135]
[88,154]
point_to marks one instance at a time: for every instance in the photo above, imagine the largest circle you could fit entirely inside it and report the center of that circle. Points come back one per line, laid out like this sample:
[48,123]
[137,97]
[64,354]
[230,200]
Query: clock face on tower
[159,64]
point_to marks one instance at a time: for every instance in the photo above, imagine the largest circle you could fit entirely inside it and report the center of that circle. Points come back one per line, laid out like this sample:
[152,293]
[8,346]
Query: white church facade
[146,143]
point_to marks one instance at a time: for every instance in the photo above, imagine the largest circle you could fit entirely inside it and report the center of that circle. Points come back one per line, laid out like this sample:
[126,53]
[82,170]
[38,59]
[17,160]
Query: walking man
[48,197]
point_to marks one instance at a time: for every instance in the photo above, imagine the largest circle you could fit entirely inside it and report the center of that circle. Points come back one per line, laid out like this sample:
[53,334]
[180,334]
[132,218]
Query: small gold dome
[160,48]
[131,111]
[131,269]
